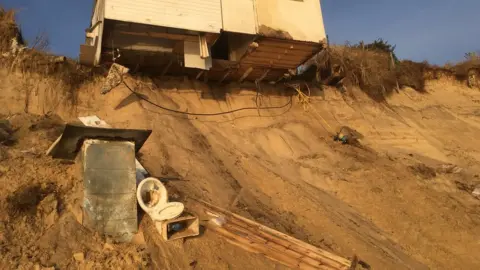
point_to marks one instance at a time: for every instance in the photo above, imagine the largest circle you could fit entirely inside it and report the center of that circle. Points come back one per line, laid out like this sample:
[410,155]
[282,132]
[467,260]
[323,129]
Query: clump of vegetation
[412,74]
[379,45]
[470,66]
[8,30]
[371,70]
[35,59]
[373,67]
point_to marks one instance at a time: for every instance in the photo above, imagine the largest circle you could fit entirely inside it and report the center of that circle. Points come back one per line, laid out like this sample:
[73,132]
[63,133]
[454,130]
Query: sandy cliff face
[401,200]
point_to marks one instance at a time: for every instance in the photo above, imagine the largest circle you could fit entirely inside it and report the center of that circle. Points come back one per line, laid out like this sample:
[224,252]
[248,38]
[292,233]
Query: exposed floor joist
[245,75]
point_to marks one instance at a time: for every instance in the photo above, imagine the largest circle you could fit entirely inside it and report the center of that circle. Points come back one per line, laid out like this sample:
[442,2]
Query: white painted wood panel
[193,58]
[239,16]
[98,16]
[302,20]
[197,15]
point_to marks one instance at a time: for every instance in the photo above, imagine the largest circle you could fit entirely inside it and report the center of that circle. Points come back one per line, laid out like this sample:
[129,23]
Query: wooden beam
[257,238]
[160,35]
[204,52]
[144,43]
[245,75]
[259,80]
[226,75]
[199,74]
[165,70]
[290,44]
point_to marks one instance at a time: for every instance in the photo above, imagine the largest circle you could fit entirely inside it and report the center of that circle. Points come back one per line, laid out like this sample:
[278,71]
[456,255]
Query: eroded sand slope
[401,201]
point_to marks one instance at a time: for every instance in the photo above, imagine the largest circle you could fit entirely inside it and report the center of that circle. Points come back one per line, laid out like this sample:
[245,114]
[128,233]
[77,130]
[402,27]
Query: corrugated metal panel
[239,16]
[197,15]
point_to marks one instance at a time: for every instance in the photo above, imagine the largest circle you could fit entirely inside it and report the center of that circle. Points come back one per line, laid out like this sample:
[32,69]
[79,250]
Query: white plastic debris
[476,192]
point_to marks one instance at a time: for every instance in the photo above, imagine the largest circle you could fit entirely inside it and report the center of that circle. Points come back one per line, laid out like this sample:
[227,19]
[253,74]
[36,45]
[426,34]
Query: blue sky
[433,30]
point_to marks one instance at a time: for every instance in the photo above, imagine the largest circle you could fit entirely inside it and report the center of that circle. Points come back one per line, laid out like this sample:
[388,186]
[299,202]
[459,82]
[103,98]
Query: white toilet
[159,209]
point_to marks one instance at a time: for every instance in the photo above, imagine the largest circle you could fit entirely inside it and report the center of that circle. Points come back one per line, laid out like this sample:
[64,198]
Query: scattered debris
[449,168]
[423,170]
[257,238]
[467,187]
[476,192]
[181,227]
[347,135]
[107,169]
[152,197]
[114,77]
[116,214]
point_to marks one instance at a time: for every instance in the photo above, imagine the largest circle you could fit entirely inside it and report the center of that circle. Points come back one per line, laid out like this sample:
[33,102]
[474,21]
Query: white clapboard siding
[98,16]
[302,20]
[239,16]
[197,15]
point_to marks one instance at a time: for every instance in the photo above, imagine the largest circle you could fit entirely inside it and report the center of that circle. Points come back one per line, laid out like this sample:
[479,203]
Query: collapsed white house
[216,39]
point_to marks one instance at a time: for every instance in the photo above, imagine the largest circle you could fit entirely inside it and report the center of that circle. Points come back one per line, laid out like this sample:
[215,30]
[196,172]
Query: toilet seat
[163,209]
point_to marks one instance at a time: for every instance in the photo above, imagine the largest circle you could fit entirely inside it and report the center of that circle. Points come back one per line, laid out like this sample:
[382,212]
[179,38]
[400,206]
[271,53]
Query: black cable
[206,114]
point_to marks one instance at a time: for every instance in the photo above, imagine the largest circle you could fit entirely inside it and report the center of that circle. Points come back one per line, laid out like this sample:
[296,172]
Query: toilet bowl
[160,209]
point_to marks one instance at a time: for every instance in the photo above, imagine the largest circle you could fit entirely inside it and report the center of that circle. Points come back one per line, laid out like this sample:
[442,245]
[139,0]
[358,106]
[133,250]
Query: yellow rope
[305,101]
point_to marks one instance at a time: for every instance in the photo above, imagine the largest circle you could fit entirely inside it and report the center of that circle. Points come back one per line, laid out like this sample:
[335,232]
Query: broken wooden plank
[273,244]
[283,245]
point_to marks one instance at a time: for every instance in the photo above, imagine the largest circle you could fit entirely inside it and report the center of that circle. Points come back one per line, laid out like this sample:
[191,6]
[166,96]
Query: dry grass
[8,30]
[464,68]
[36,61]
[372,71]
[412,74]
[376,72]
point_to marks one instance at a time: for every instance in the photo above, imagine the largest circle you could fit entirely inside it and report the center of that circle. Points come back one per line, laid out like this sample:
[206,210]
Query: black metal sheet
[74,135]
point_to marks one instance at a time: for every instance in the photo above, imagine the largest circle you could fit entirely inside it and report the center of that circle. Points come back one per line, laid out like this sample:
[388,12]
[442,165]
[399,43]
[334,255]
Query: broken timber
[257,238]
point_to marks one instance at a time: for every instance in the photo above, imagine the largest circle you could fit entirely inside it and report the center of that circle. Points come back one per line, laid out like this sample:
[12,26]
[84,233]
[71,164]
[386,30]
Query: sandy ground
[401,201]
